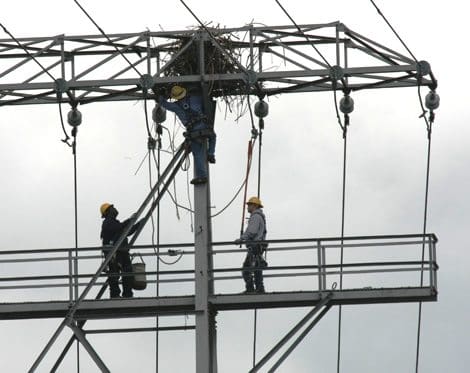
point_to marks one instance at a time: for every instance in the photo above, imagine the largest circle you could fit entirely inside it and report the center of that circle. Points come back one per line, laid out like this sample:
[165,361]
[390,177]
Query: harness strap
[205,132]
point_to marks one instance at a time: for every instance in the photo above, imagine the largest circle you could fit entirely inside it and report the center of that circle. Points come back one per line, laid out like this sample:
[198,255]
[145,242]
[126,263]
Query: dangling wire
[343,208]
[75,193]
[66,139]
[157,288]
[426,197]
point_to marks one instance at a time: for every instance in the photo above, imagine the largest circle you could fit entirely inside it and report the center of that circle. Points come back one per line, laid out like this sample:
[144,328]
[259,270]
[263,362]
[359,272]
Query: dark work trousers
[253,278]
[120,266]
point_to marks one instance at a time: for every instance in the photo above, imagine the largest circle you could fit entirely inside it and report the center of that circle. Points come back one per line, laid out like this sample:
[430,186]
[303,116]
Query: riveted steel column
[205,319]
[206,359]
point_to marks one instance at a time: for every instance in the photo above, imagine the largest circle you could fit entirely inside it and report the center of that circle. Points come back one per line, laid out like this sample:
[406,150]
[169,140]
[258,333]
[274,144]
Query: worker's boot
[249,288]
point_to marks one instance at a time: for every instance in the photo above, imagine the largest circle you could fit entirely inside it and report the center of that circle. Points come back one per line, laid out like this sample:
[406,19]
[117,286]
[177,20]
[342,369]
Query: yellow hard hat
[104,207]
[177,92]
[255,201]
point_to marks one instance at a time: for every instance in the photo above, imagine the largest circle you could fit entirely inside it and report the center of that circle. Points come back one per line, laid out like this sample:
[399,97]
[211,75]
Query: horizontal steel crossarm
[116,53]
[368,42]
[28,58]
[263,76]
[176,34]
[287,47]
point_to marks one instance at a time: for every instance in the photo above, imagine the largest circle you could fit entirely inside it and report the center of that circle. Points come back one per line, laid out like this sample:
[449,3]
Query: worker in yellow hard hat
[120,265]
[189,108]
[255,231]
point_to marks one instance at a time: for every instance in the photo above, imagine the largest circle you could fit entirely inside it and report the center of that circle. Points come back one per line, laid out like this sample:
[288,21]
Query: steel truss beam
[264,61]
[70,318]
[323,303]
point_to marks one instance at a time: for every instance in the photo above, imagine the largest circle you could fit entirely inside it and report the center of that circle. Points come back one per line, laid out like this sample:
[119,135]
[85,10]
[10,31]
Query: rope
[254,134]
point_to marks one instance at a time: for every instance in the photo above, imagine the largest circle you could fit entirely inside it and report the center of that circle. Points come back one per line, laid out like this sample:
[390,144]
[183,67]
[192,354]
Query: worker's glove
[238,241]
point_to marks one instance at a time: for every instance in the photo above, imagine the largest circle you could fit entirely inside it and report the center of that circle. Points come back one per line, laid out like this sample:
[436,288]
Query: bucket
[140,278]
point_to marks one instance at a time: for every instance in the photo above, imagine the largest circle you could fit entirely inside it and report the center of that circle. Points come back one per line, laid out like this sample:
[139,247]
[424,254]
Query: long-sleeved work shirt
[112,229]
[256,229]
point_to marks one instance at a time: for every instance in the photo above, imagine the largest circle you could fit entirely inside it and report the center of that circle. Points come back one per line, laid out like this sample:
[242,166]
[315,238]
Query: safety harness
[194,117]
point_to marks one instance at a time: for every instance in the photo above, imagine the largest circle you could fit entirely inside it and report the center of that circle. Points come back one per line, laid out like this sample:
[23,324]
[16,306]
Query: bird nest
[221,55]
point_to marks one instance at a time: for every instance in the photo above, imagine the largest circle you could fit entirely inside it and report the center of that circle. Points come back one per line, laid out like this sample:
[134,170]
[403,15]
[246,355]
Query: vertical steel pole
[206,360]
[205,320]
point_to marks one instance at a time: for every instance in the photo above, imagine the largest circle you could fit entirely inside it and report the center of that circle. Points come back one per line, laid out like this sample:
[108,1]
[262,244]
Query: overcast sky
[301,186]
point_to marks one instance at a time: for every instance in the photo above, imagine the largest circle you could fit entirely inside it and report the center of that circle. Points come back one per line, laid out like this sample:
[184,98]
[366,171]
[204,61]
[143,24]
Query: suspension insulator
[346,105]
[261,109]
[74,117]
[432,100]
[159,114]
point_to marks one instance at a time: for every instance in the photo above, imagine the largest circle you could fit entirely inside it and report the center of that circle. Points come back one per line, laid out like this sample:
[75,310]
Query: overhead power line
[107,38]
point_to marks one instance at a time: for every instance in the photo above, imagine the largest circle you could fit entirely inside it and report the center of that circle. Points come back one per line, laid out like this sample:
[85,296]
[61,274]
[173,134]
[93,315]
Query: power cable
[344,130]
[46,71]
[26,51]
[391,27]
[301,31]
[322,57]
[426,201]
[429,132]
[107,38]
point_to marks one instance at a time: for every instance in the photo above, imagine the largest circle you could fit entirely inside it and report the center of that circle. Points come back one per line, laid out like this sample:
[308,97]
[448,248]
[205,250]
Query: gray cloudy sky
[301,186]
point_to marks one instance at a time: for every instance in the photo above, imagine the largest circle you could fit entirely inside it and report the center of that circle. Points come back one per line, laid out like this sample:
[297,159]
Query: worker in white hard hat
[120,265]
[254,261]
[189,109]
